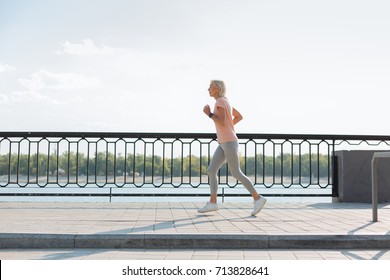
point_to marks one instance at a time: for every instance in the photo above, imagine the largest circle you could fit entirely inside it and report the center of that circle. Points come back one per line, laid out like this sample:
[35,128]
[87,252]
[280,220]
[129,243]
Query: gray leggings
[227,152]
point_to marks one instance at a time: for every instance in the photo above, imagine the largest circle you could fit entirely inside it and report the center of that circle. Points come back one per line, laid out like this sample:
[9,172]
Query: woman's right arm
[236,116]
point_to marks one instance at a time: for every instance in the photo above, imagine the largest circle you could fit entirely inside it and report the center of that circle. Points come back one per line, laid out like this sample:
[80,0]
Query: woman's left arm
[219,115]
[236,116]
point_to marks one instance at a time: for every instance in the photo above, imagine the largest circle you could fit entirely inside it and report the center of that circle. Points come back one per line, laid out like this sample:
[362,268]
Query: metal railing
[135,160]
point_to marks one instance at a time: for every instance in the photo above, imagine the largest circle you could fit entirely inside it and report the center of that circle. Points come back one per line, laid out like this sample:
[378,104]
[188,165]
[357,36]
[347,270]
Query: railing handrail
[187,135]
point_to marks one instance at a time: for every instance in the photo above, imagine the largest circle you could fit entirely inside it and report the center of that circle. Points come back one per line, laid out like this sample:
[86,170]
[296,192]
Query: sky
[302,66]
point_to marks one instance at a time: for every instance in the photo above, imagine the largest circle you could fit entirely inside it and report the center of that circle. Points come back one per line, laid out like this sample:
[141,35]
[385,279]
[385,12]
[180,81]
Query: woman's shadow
[152,228]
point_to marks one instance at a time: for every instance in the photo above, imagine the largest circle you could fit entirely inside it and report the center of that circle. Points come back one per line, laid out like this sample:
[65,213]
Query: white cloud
[87,48]
[3,98]
[58,81]
[34,84]
[136,62]
[6,68]
[29,96]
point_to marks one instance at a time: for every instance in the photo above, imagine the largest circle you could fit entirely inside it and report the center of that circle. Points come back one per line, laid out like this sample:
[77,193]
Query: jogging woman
[224,118]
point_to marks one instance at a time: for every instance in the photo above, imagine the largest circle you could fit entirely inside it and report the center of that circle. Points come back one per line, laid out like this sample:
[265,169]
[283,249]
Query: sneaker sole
[208,211]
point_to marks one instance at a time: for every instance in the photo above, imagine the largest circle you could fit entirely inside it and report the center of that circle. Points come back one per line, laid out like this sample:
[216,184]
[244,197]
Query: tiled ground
[232,218]
[180,218]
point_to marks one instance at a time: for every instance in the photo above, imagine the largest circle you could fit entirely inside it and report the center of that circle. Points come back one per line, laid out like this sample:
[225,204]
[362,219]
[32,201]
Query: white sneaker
[258,205]
[208,207]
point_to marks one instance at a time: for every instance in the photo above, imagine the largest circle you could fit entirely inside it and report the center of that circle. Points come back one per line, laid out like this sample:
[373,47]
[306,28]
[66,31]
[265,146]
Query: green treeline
[107,164]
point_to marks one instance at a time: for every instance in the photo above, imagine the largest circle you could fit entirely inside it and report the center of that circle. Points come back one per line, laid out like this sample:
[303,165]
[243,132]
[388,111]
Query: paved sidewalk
[179,226]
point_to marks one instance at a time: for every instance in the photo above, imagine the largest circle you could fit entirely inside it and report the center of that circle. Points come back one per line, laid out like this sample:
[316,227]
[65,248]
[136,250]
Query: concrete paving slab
[179,226]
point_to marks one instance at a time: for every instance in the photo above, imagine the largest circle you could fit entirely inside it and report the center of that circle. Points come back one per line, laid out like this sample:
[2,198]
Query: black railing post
[335,177]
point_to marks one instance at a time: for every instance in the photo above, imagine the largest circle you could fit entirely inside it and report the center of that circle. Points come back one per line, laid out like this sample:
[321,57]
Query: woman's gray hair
[221,86]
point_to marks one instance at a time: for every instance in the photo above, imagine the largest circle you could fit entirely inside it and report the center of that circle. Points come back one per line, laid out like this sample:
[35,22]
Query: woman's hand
[206,110]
